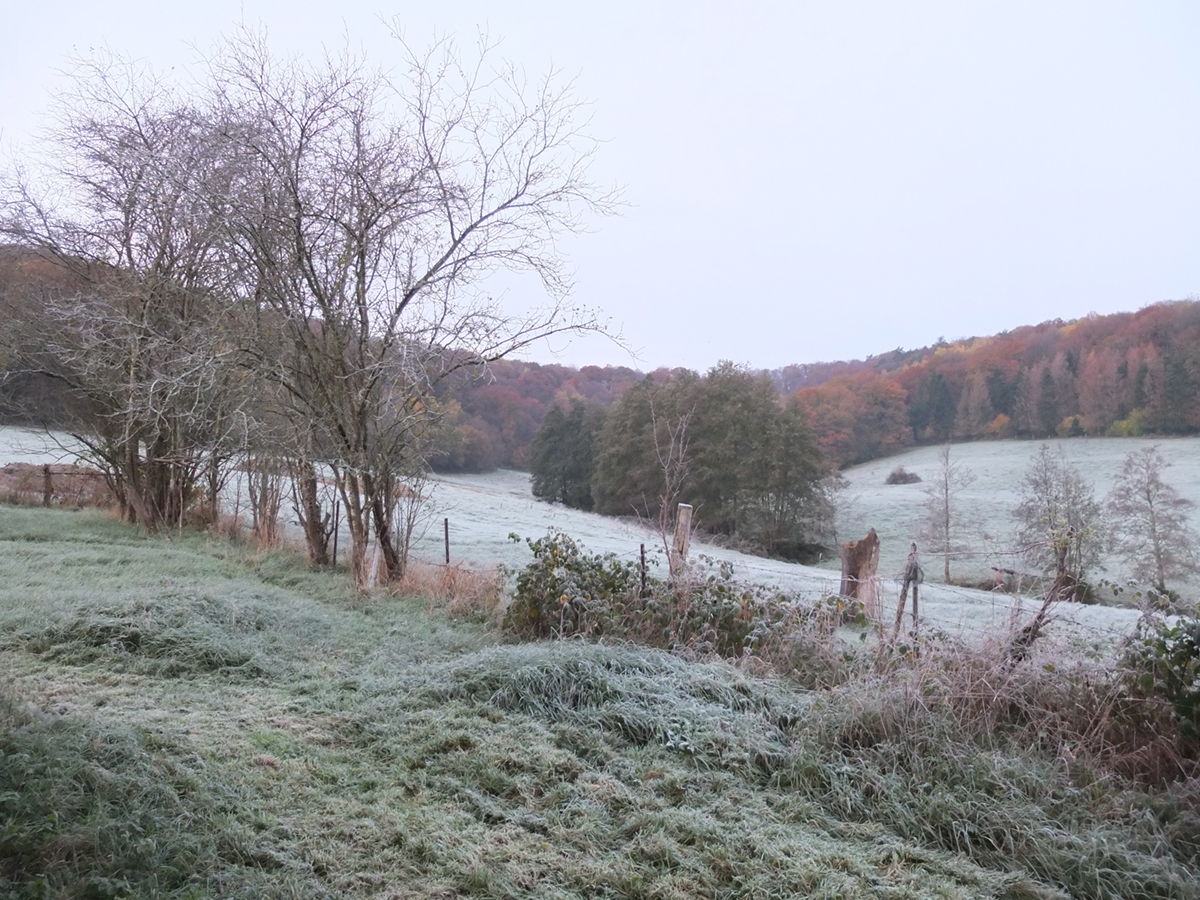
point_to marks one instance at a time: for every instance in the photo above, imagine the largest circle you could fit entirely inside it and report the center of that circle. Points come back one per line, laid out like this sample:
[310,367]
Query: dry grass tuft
[25,484]
[463,592]
[1075,709]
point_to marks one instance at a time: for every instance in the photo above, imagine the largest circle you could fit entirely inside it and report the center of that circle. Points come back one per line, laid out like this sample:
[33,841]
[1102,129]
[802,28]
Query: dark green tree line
[563,459]
[724,443]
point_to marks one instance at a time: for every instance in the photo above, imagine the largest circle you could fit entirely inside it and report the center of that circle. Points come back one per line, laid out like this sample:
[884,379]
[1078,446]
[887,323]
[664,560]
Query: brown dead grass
[1057,702]
[56,484]
[463,592]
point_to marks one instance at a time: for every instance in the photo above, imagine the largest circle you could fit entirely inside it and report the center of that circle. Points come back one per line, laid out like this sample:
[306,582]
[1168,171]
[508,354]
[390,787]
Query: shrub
[901,475]
[1133,425]
[1162,661]
[566,592]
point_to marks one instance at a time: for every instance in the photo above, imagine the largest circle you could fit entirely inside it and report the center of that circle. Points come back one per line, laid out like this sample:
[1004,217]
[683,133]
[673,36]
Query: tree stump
[860,560]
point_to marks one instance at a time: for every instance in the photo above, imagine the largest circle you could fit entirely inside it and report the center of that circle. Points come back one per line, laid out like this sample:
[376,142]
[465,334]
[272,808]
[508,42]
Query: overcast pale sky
[806,181]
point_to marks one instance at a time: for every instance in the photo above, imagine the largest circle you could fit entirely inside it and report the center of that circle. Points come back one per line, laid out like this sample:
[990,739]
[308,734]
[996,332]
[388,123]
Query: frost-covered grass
[188,718]
[484,509]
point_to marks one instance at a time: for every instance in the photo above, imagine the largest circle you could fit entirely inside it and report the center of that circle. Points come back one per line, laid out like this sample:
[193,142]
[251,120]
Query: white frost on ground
[26,445]
[484,509]
[986,507]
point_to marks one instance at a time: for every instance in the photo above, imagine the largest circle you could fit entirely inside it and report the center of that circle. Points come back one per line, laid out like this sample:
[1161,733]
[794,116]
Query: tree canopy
[746,462]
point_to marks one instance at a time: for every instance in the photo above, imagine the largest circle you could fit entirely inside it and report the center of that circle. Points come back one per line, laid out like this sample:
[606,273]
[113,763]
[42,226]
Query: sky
[802,181]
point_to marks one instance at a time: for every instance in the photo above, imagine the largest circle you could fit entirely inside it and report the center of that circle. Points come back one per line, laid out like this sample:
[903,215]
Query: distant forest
[1121,374]
[1124,374]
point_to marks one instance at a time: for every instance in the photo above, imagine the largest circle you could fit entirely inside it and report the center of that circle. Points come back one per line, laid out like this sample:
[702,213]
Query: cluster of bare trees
[1063,529]
[280,260]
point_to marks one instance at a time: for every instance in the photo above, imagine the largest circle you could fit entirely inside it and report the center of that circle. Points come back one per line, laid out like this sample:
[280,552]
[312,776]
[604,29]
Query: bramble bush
[566,592]
[1162,661]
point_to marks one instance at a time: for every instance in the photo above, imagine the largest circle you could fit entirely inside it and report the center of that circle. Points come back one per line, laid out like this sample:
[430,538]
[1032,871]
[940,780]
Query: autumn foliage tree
[1124,374]
[857,418]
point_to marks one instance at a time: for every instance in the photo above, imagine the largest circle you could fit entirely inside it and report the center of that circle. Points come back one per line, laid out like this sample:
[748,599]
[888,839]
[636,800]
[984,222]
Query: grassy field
[191,718]
[484,509]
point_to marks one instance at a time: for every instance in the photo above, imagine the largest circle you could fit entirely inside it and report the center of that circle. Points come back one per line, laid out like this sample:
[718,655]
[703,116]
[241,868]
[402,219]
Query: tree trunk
[358,523]
[314,522]
[393,568]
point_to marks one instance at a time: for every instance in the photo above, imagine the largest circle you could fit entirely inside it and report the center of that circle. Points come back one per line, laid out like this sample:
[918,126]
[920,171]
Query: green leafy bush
[567,592]
[1162,660]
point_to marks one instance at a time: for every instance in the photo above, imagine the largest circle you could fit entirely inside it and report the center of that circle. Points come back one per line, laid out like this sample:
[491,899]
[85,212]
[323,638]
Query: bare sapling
[671,451]
[264,487]
[942,527]
[410,514]
[1150,523]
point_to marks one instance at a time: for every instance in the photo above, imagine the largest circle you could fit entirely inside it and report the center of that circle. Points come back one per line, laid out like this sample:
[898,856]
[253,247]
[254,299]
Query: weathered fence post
[912,576]
[683,537]
[446,524]
[642,593]
[47,485]
[860,561]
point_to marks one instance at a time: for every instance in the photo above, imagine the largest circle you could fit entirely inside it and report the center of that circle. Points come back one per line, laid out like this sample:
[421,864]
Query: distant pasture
[483,510]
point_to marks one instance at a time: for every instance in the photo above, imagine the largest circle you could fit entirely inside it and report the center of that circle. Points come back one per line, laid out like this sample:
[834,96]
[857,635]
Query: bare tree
[411,512]
[122,199]
[1059,521]
[374,207]
[307,239]
[265,487]
[941,518]
[670,436]
[1150,520]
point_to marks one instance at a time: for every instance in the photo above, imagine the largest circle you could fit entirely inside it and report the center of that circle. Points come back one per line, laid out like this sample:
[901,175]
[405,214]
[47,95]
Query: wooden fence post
[912,576]
[683,537]
[642,593]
